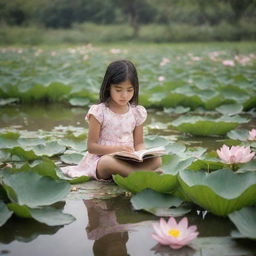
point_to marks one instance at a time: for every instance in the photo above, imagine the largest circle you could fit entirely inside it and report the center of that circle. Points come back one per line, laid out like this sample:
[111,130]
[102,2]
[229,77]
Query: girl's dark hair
[116,73]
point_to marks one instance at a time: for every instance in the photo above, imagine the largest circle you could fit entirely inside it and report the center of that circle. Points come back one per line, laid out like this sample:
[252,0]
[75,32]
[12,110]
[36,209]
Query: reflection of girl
[115,124]
[110,236]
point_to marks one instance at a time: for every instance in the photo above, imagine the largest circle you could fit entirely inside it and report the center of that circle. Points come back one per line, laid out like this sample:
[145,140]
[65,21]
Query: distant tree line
[64,13]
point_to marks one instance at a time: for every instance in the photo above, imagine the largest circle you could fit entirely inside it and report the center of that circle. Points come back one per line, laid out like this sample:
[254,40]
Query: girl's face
[122,93]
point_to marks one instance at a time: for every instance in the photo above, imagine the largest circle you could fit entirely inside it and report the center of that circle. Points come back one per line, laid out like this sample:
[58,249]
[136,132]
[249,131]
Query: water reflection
[110,237]
[24,230]
[167,251]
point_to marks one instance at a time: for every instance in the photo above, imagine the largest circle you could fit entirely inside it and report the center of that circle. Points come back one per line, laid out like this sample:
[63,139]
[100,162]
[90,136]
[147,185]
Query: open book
[140,155]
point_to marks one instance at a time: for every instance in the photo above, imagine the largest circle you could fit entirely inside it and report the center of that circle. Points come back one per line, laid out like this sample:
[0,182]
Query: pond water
[105,222]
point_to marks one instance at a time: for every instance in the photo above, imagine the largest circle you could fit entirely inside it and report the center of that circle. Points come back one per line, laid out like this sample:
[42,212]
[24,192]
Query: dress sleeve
[140,115]
[96,111]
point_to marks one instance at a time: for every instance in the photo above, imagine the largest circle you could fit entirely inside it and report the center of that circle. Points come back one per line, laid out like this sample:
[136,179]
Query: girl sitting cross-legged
[115,124]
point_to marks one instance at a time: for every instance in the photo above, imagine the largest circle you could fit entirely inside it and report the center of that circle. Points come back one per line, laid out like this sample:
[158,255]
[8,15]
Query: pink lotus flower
[174,234]
[229,63]
[161,78]
[235,154]
[252,134]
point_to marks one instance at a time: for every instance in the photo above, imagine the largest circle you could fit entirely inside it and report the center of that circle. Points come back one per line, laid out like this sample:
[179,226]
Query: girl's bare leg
[109,165]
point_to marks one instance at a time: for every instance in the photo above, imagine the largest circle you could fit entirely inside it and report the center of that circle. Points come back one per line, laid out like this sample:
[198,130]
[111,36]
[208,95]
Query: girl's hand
[126,148]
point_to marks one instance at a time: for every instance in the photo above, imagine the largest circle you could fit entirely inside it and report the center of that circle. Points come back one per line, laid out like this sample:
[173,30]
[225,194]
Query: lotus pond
[199,97]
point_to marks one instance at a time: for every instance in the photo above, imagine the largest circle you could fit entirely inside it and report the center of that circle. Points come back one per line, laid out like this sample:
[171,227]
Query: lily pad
[230,109]
[155,141]
[5,213]
[49,149]
[149,198]
[71,158]
[44,167]
[220,192]
[140,180]
[238,134]
[70,180]
[245,221]
[79,102]
[206,126]
[33,190]
[51,216]
[158,204]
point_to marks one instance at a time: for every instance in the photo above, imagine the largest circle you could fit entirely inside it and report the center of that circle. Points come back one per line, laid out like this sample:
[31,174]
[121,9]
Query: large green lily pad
[245,221]
[220,192]
[206,126]
[140,180]
[33,190]
[5,213]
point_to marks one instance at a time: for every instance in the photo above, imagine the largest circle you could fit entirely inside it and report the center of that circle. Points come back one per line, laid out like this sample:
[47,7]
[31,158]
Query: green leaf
[230,109]
[23,154]
[22,211]
[79,102]
[172,164]
[5,213]
[220,192]
[79,146]
[203,126]
[166,212]
[81,179]
[206,165]
[148,199]
[33,190]
[49,149]
[71,158]
[51,216]
[44,167]
[239,134]
[140,180]
[155,141]
[245,221]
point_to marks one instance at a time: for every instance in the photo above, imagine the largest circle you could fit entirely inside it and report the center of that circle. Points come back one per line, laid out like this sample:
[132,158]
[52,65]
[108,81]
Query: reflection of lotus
[235,154]
[252,134]
[174,234]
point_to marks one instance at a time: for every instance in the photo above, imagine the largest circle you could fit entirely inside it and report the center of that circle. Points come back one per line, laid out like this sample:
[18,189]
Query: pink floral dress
[116,129]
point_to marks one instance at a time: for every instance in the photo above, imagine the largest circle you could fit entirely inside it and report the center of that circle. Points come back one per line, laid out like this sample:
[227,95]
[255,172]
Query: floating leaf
[5,213]
[81,179]
[158,204]
[155,141]
[49,149]
[79,102]
[220,192]
[33,190]
[230,109]
[140,180]
[148,199]
[71,158]
[245,221]
[51,216]
[203,126]
[239,134]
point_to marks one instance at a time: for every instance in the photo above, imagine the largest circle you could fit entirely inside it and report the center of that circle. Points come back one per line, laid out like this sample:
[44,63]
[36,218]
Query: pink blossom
[229,63]
[235,154]
[174,234]
[115,51]
[252,134]
[164,62]
[161,78]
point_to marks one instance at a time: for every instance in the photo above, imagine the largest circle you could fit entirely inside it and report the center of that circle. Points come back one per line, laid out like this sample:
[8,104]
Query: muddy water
[110,226]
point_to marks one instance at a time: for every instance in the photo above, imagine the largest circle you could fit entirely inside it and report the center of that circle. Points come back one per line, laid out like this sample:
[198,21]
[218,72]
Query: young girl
[115,124]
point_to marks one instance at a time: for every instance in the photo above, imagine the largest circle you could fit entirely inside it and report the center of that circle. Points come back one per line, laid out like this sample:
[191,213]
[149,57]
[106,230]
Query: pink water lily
[252,134]
[235,154]
[174,234]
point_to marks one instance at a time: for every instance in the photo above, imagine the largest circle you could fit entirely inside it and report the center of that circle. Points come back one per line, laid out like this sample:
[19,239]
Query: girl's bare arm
[93,137]
[138,138]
